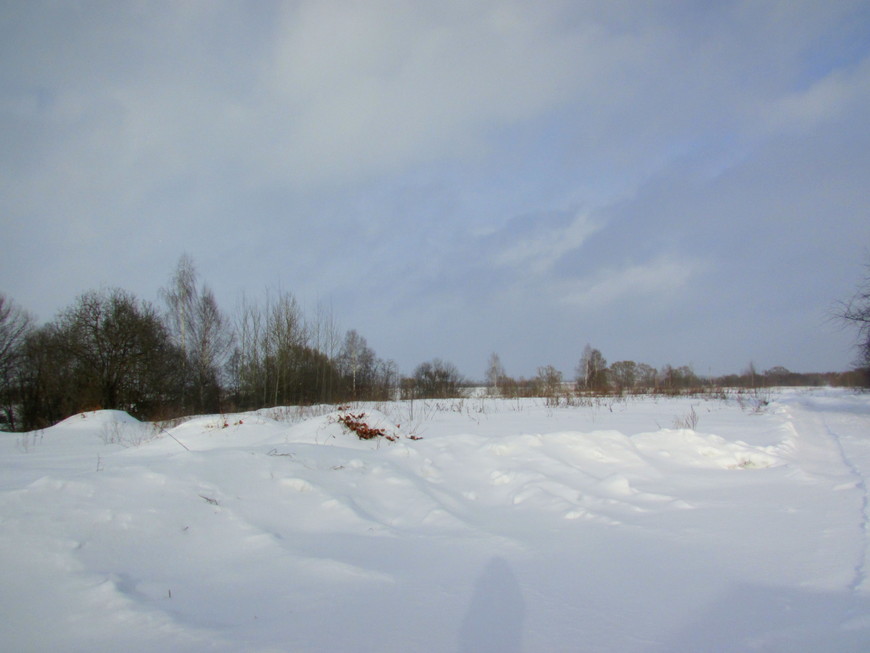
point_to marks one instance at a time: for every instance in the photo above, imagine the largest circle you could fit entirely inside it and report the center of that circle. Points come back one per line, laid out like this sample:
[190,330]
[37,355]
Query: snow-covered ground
[510,526]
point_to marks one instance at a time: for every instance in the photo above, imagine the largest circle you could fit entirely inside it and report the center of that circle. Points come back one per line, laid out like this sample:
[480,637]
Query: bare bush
[688,421]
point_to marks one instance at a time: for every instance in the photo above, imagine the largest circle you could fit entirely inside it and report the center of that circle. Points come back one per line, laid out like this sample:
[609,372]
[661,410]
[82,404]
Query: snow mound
[97,418]
[688,447]
[115,427]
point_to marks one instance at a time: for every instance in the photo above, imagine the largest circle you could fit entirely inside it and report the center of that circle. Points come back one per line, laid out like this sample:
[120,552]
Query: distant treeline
[112,350]
[594,377]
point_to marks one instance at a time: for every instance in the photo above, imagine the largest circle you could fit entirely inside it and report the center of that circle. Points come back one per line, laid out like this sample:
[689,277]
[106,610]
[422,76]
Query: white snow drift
[510,526]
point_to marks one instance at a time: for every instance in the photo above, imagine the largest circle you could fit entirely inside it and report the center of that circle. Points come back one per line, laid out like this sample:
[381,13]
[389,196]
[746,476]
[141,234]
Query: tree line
[110,349]
[593,376]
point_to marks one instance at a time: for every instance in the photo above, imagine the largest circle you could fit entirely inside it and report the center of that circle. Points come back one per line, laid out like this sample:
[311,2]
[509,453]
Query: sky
[682,183]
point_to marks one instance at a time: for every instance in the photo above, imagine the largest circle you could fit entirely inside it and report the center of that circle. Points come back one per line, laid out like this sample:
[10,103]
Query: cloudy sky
[671,182]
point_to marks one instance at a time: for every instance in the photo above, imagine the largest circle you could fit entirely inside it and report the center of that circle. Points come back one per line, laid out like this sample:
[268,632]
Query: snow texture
[510,526]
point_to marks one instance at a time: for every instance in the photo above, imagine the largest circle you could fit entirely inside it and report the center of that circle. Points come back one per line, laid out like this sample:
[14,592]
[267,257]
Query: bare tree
[247,367]
[119,351]
[284,337]
[47,388]
[210,343]
[676,379]
[201,332]
[438,379]
[386,380]
[181,297]
[856,311]
[495,373]
[548,382]
[325,339]
[624,374]
[592,370]
[646,376]
[751,375]
[15,325]
[356,360]
[280,358]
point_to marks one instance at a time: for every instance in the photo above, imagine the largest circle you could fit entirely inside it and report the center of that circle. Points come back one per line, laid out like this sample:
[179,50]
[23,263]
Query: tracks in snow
[842,443]
[860,575]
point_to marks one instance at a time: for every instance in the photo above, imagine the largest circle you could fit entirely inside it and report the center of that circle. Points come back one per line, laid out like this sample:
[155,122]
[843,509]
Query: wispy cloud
[538,247]
[656,280]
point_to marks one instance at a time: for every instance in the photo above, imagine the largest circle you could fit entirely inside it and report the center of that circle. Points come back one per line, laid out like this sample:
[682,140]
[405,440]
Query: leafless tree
[646,376]
[283,338]
[548,382]
[495,373]
[624,374]
[438,379]
[591,370]
[246,365]
[356,360]
[676,379]
[181,298]
[202,333]
[280,358]
[15,325]
[119,352]
[210,343]
[856,311]
[325,338]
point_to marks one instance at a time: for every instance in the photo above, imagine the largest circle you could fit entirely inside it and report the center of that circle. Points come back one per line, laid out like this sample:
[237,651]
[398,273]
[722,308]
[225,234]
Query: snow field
[512,525]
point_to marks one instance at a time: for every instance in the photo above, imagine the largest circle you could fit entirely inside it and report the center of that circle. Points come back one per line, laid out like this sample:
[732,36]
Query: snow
[511,525]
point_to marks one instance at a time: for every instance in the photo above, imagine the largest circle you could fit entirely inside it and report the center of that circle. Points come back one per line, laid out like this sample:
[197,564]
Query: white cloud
[538,252]
[659,278]
[825,100]
[373,87]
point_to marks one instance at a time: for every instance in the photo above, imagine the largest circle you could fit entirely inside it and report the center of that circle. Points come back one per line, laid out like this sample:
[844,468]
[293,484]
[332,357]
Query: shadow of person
[494,621]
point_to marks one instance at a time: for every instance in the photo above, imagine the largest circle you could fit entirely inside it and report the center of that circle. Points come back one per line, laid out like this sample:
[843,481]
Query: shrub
[355,422]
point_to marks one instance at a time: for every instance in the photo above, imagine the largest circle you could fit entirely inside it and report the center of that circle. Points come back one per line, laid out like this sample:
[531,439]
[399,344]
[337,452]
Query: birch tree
[201,332]
[592,370]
